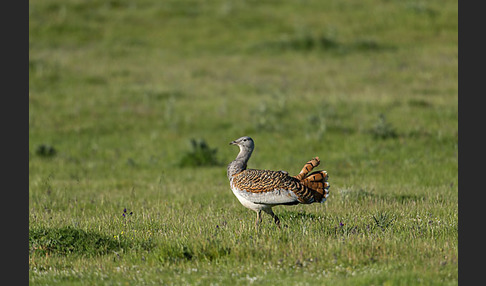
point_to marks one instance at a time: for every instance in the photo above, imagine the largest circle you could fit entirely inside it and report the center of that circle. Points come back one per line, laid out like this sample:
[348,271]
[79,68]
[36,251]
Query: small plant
[383,129]
[45,150]
[200,155]
[125,213]
[383,220]
[126,216]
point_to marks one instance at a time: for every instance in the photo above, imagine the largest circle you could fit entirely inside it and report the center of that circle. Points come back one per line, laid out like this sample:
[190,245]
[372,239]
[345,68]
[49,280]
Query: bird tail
[316,181]
[311,164]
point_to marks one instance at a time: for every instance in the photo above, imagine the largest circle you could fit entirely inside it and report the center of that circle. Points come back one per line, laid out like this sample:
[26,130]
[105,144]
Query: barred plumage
[263,189]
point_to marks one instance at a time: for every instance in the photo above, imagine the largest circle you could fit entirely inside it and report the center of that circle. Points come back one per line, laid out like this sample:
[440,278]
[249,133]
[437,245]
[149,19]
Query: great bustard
[261,190]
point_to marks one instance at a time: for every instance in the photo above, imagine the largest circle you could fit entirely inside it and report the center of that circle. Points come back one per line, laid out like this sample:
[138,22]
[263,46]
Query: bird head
[245,143]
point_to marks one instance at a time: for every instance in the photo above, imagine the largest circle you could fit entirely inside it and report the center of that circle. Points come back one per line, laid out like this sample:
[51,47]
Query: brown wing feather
[257,181]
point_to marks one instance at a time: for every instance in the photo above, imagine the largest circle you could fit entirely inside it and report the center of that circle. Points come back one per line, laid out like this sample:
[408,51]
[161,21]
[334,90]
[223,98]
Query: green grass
[123,93]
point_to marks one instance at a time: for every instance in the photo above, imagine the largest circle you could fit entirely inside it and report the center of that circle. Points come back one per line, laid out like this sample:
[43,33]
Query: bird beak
[232,143]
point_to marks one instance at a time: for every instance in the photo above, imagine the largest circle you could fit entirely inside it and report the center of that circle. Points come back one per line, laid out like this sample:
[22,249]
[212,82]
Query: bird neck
[239,164]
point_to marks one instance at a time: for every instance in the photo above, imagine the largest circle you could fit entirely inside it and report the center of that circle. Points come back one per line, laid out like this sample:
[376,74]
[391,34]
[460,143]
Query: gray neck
[239,164]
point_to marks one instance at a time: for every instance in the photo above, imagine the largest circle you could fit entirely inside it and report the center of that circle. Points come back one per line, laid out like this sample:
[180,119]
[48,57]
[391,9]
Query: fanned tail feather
[316,181]
[311,164]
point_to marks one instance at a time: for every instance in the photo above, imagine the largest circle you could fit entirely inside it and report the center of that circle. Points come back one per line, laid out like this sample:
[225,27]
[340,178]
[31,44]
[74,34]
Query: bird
[261,190]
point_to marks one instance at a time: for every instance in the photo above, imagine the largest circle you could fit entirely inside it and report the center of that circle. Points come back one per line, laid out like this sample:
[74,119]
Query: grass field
[132,105]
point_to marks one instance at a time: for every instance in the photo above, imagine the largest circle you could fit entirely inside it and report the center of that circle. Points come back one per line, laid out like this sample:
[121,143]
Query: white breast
[244,201]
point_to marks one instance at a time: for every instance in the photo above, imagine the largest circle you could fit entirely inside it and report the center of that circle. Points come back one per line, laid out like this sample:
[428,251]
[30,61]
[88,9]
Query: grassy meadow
[132,105]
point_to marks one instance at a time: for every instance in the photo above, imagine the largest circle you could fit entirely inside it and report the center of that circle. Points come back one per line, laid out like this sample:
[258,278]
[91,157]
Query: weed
[45,150]
[384,219]
[126,213]
[200,155]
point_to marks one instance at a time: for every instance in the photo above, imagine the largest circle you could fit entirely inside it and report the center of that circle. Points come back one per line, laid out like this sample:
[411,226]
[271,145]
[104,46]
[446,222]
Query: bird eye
[244,139]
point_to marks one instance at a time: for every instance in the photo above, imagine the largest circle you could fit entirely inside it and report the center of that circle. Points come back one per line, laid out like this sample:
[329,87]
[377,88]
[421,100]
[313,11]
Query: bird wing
[270,187]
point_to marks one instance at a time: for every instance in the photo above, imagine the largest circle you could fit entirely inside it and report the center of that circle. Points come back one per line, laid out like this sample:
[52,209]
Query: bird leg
[274,216]
[277,220]
[259,218]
